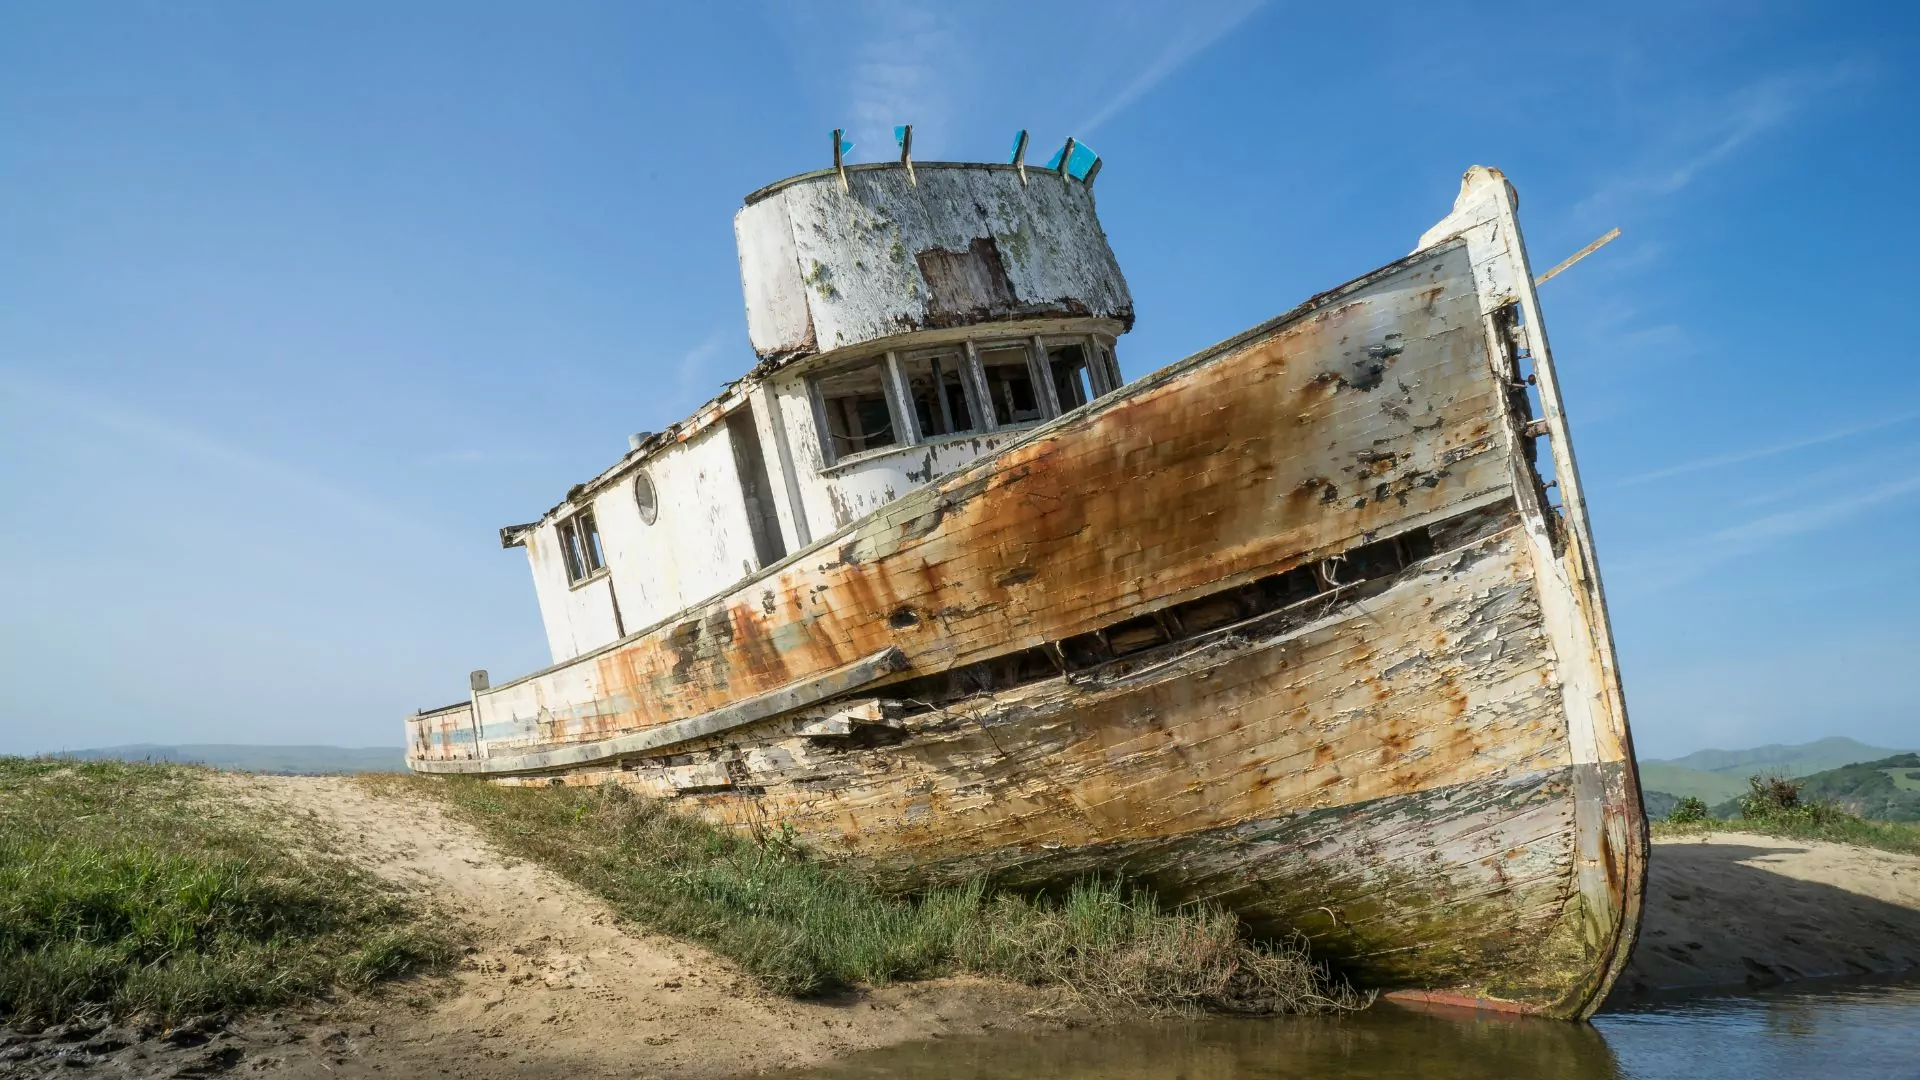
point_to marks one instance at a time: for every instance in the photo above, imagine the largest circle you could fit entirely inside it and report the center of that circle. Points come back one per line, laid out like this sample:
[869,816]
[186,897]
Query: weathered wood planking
[1399,767]
[1286,449]
[1427,773]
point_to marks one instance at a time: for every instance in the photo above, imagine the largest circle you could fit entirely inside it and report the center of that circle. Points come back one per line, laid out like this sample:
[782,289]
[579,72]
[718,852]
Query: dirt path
[558,988]
[1733,908]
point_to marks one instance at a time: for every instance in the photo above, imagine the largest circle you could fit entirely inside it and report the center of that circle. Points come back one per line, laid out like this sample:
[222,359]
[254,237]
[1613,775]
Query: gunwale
[1605,867]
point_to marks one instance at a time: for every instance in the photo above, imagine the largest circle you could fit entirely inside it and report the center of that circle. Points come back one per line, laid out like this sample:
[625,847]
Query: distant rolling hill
[262,759]
[1714,776]
[1886,789]
[1676,780]
[1778,760]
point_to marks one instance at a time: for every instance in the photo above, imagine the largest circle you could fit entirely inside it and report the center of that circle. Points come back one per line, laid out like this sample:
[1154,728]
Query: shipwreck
[1307,625]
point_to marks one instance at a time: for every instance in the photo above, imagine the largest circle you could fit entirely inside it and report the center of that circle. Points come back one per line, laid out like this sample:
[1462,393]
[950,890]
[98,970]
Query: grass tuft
[139,890]
[805,927]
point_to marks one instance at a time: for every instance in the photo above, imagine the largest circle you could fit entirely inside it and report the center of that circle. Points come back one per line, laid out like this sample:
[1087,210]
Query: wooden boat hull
[1290,626]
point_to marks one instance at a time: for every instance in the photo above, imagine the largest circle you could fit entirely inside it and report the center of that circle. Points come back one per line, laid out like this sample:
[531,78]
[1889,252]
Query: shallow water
[1831,1031]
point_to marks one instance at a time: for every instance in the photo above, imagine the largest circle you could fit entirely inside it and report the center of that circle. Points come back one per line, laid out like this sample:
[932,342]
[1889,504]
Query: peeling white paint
[827,269]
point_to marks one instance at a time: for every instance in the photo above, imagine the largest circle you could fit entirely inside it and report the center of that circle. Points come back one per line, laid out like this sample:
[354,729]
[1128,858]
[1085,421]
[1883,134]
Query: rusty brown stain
[1203,478]
[1084,508]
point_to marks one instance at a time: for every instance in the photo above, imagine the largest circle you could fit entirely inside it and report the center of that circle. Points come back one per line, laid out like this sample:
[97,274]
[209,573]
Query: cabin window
[580,546]
[858,409]
[646,498]
[1073,384]
[1009,381]
[937,388]
[904,398]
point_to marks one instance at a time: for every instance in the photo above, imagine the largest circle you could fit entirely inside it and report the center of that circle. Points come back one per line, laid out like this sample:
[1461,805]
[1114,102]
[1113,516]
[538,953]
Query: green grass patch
[804,926]
[144,890]
[1902,837]
[1774,806]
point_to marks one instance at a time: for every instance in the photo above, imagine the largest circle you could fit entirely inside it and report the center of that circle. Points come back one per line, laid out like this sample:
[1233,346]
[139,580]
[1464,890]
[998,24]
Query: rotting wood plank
[1438,760]
[785,700]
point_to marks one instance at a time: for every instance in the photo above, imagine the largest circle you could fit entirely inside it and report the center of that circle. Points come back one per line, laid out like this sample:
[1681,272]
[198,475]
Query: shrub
[1769,795]
[1687,811]
[1776,800]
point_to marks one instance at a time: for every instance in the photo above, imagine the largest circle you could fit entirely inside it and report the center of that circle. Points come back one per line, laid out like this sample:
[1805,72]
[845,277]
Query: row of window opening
[899,399]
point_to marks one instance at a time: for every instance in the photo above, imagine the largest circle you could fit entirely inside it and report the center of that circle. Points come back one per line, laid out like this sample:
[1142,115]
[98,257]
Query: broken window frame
[1042,399]
[963,362]
[1095,385]
[831,454]
[583,553]
[1103,371]
[1103,378]
[1106,369]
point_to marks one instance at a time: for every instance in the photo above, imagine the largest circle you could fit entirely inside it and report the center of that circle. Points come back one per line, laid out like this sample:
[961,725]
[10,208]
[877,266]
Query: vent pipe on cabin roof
[638,439]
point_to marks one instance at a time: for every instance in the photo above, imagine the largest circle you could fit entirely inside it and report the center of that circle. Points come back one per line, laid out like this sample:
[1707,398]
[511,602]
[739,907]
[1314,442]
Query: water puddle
[1830,1031]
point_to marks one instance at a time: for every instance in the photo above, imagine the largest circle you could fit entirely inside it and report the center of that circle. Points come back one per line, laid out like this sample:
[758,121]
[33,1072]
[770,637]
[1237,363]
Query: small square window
[937,387]
[859,415]
[1010,384]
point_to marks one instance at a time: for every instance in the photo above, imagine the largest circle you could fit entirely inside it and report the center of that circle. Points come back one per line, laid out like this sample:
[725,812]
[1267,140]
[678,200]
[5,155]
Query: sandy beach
[1732,909]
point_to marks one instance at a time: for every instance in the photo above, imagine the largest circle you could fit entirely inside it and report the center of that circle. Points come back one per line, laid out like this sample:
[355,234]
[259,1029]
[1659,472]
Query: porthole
[648,500]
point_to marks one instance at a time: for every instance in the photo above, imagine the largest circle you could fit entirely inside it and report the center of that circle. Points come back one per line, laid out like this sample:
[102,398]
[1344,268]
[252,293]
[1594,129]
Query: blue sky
[300,302]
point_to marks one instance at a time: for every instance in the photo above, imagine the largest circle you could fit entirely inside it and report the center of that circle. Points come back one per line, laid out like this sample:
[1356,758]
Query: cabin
[907,318]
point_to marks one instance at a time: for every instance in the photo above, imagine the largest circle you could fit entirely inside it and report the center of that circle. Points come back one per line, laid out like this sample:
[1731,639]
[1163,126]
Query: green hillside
[1717,777]
[1802,759]
[1659,804]
[1886,790]
[1679,781]
[263,759]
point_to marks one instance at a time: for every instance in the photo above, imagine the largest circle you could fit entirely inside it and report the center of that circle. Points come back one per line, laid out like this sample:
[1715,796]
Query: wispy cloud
[946,68]
[1805,519]
[1685,558]
[1696,140]
[1740,457]
[152,432]
[902,71]
[1185,41]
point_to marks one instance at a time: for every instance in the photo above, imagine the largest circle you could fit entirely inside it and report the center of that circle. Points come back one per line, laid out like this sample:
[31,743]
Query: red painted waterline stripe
[1458,1001]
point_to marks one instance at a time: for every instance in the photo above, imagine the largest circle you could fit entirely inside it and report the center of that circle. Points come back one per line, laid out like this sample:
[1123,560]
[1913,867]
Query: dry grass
[806,927]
